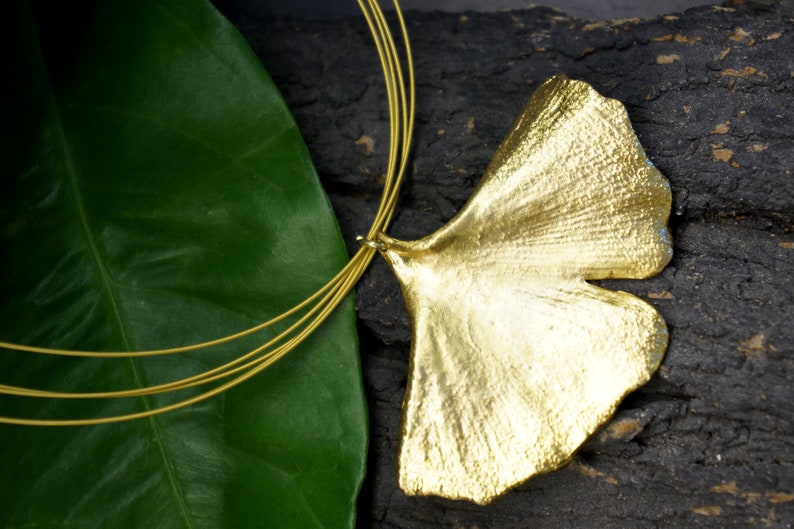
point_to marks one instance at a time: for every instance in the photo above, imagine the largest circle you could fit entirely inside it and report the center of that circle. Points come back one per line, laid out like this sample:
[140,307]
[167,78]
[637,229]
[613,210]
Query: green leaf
[154,191]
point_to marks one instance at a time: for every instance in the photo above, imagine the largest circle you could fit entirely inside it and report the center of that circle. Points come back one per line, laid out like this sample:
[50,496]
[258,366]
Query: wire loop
[377,245]
[302,319]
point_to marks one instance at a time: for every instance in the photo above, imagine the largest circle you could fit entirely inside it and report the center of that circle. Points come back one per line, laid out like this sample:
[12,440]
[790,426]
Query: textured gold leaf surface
[516,359]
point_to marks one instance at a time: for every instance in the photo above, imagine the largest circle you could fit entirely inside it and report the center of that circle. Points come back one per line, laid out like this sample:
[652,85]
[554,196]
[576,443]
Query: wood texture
[709,442]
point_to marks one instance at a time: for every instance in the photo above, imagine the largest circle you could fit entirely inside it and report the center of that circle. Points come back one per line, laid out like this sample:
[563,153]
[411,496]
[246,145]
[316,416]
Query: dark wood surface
[709,442]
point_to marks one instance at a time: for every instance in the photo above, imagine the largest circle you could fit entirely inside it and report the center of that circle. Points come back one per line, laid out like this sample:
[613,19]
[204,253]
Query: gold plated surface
[516,359]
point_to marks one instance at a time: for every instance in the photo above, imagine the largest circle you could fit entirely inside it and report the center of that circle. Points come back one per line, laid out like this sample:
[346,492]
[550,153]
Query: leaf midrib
[53,110]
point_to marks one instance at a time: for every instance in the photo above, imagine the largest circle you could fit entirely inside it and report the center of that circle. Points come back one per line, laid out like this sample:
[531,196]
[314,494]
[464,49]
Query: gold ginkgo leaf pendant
[516,360]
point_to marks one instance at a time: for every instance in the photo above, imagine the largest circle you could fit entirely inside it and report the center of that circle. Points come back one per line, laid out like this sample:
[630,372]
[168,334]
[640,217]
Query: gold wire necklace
[301,319]
[515,358]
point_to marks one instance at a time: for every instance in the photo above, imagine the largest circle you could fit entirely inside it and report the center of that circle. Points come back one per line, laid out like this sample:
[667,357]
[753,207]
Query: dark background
[588,9]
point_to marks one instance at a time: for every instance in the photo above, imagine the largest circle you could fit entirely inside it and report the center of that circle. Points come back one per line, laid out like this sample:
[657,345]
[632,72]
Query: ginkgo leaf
[516,359]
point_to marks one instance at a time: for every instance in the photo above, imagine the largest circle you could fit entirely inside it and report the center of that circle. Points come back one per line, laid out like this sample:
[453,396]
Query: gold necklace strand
[310,313]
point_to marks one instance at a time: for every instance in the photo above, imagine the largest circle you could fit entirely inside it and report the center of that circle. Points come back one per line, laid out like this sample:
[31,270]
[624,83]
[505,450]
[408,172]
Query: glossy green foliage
[156,192]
